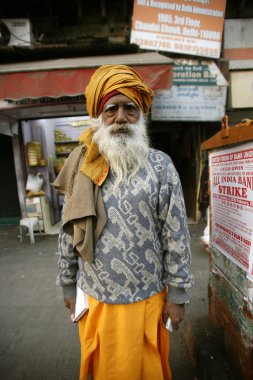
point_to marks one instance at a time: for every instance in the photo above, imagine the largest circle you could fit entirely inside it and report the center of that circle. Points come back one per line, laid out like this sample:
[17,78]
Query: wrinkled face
[119,109]
[121,135]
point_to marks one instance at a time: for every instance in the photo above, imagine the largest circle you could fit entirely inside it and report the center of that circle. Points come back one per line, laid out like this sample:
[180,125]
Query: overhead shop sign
[188,27]
[198,93]
[197,73]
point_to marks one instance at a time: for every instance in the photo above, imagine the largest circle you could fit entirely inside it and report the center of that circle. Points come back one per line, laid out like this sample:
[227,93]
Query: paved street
[38,341]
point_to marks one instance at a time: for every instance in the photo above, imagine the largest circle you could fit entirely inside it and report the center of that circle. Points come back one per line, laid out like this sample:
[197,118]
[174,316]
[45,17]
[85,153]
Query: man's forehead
[119,99]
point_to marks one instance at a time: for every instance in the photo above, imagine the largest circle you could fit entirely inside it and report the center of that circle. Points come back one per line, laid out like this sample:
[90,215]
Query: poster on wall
[181,26]
[231,191]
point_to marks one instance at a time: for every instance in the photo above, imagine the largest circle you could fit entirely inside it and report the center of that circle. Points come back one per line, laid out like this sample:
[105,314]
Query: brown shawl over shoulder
[83,215]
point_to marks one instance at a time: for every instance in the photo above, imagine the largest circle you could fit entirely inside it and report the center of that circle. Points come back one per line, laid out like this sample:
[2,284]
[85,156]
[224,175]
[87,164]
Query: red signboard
[70,82]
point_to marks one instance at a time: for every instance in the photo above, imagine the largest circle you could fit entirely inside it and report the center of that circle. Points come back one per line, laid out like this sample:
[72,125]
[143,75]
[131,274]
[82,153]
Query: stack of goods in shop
[63,147]
[34,155]
[60,136]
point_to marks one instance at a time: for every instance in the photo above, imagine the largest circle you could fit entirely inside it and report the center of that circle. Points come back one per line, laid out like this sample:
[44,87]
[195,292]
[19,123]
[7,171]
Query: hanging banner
[231,191]
[181,26]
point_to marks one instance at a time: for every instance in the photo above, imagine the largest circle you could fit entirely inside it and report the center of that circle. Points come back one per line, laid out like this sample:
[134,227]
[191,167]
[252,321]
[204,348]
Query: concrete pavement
[39,342]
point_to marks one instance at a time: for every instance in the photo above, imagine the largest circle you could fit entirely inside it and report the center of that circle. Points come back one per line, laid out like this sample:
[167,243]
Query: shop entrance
[53,139]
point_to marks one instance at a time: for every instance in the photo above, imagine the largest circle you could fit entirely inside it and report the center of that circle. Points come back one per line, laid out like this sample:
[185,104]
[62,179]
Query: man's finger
[70,304]
[66,303]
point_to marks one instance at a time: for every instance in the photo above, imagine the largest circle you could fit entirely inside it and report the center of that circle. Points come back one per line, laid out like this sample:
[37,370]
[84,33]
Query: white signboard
[190,103]
[192,27]
[242,89]
[231,185]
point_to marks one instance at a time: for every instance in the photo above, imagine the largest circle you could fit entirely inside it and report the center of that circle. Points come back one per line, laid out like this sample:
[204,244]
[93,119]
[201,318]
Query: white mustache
[120,128]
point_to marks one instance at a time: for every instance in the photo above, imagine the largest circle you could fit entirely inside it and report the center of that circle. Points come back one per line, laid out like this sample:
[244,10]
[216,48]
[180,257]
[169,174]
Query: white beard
[126,151]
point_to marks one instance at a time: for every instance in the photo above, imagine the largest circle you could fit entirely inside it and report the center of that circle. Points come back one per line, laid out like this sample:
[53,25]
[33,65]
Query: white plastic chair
[30,223]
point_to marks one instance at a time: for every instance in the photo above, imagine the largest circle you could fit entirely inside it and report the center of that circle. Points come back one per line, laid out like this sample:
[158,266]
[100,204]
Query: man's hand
[175,312]
[70,304]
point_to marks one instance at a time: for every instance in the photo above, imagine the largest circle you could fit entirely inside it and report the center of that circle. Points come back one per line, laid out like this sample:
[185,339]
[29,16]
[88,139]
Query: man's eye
[130,108]
[111,110]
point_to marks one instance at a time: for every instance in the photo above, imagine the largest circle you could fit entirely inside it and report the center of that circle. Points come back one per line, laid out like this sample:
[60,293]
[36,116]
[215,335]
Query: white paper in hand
[169,326]
[81,304]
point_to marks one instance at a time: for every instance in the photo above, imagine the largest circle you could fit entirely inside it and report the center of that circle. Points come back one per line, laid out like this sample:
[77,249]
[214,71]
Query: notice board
[231,192]
[189,103]
[198,93]
[181,26]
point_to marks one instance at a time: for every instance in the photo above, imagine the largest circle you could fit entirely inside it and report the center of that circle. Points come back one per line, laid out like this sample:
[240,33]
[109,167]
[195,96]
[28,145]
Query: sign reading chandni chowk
[191,27]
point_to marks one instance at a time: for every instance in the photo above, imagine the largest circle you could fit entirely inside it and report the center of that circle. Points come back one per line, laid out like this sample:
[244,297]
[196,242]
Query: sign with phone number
[188,27]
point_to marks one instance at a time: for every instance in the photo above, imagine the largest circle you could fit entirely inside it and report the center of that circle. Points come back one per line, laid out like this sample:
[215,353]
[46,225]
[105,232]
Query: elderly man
[124,239]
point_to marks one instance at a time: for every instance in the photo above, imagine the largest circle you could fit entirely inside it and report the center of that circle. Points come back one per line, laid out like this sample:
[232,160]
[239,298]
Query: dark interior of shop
[180,141]
[9,207]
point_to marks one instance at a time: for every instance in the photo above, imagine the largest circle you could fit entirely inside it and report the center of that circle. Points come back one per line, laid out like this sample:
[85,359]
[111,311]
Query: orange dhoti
[124,342]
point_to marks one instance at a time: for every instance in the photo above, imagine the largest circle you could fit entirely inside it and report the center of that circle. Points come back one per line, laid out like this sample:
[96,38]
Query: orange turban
[109,78]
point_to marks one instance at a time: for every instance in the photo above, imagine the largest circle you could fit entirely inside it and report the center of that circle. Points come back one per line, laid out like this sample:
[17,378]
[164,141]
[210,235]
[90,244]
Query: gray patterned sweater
[145,244]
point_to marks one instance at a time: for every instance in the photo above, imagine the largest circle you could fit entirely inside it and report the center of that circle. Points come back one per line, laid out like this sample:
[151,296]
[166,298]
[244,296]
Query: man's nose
[121,116]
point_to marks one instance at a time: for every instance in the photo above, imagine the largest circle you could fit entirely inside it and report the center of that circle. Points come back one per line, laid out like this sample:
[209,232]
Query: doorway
[181,143]
[9,202]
